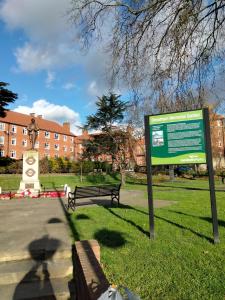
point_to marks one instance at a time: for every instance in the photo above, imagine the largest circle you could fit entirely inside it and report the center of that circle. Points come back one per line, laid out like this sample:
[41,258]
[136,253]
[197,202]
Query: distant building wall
[54,140]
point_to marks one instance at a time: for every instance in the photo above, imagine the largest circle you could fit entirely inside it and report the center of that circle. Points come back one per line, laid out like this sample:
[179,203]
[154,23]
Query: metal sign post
[209,161]
[149,177]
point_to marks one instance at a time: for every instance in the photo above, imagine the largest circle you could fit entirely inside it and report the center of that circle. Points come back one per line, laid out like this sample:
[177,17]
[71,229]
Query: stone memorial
[30,184]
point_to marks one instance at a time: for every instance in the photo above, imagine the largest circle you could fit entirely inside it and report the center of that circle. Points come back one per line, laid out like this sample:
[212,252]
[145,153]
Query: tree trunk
[171,172]
[122,177]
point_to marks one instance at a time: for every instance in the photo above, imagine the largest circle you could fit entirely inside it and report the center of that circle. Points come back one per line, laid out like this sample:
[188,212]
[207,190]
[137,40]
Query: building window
[47,155]
[47,134]
[219,123]
[56,147]
[64,148]
[13,128]
[219,144]
[56,136]
[24,131]
[47,146]
[36,145]
[24,143]
[2,154]
[71,149]
[56,155]
[71,139]
[13,154]
[2,140]
[64,138]
[13,141]
[2,126]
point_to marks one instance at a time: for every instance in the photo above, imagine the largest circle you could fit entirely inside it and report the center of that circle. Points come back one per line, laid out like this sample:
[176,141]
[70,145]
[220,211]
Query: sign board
[177,138]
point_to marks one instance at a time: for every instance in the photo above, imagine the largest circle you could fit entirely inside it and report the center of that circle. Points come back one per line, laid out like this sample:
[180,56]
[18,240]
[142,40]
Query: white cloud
[69,86]
[54,112]
[51,39]
[50,78]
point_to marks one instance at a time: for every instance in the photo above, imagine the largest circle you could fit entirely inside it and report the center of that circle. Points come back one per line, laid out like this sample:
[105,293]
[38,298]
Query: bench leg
[115,197]
[71,203]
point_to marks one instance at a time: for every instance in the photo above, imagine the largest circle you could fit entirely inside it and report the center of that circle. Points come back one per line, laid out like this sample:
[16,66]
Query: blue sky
[40,59]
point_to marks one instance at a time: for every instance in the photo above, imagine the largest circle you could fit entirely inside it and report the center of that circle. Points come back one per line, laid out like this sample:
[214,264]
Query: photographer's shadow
[37,281]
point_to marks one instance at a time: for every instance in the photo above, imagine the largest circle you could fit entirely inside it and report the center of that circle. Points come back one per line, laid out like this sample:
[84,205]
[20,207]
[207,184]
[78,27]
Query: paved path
[26,220]
[35,250]
[127,197]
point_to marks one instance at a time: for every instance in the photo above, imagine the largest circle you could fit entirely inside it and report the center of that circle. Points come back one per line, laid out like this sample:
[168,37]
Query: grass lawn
[181,263]
[51,181]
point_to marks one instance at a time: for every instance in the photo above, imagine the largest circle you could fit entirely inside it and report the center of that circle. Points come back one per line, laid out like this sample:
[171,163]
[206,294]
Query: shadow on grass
[208,219]
[82,217]
[186,188]
[110,238]
[158,217]
[126,220]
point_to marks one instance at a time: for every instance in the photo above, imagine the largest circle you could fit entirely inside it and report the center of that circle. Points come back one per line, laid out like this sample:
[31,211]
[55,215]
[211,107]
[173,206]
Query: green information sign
[177,138]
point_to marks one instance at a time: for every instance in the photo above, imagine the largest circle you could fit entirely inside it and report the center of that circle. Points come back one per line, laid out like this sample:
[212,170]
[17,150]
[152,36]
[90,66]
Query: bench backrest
[97,190]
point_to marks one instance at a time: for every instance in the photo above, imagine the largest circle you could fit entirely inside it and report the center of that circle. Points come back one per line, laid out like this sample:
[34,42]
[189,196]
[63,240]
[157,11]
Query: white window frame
[2,153]
[14,129]
[56,155]
[36,146]
[47,134]
[13,153]
[64,148]
[47,146]
[71,149]
[56,147]
[24,131]
[12,143]
[56,136]
[65,138]
[24,143]
[2,126]
[3,140]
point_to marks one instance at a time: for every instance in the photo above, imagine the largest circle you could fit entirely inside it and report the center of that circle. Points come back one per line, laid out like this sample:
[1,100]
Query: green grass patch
[51,181]
[181,263]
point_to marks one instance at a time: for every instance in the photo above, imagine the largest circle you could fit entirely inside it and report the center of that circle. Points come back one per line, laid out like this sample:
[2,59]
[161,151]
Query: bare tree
[176,42]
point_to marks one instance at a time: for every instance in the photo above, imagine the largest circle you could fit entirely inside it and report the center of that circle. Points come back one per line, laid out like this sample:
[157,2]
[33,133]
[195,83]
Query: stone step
[51,241]
[28,270]
[48,289]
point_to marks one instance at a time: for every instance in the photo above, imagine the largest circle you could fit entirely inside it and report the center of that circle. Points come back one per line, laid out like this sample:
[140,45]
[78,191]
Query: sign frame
[209,163]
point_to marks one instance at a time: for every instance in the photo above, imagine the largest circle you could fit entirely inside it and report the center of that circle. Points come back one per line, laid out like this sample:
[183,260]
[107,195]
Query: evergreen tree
[113,141]
[6,97]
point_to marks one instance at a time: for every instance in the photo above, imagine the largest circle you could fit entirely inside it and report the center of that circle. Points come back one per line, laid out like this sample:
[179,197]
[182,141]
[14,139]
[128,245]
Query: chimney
[39,116]
[66,126]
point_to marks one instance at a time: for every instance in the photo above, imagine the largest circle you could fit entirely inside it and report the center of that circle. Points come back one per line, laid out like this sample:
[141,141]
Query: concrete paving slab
[33,224]
[16,271]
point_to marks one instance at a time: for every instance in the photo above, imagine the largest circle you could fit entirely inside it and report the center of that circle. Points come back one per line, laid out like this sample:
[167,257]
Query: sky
[41,60]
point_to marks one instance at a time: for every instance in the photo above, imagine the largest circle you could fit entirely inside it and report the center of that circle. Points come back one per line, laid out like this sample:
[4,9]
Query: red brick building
[54,140]
[217,125]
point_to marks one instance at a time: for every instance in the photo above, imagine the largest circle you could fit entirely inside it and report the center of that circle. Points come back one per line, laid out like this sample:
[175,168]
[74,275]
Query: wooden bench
[93,191]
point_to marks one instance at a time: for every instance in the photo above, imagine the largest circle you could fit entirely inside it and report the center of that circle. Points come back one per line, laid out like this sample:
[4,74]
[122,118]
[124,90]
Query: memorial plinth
[30,179]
